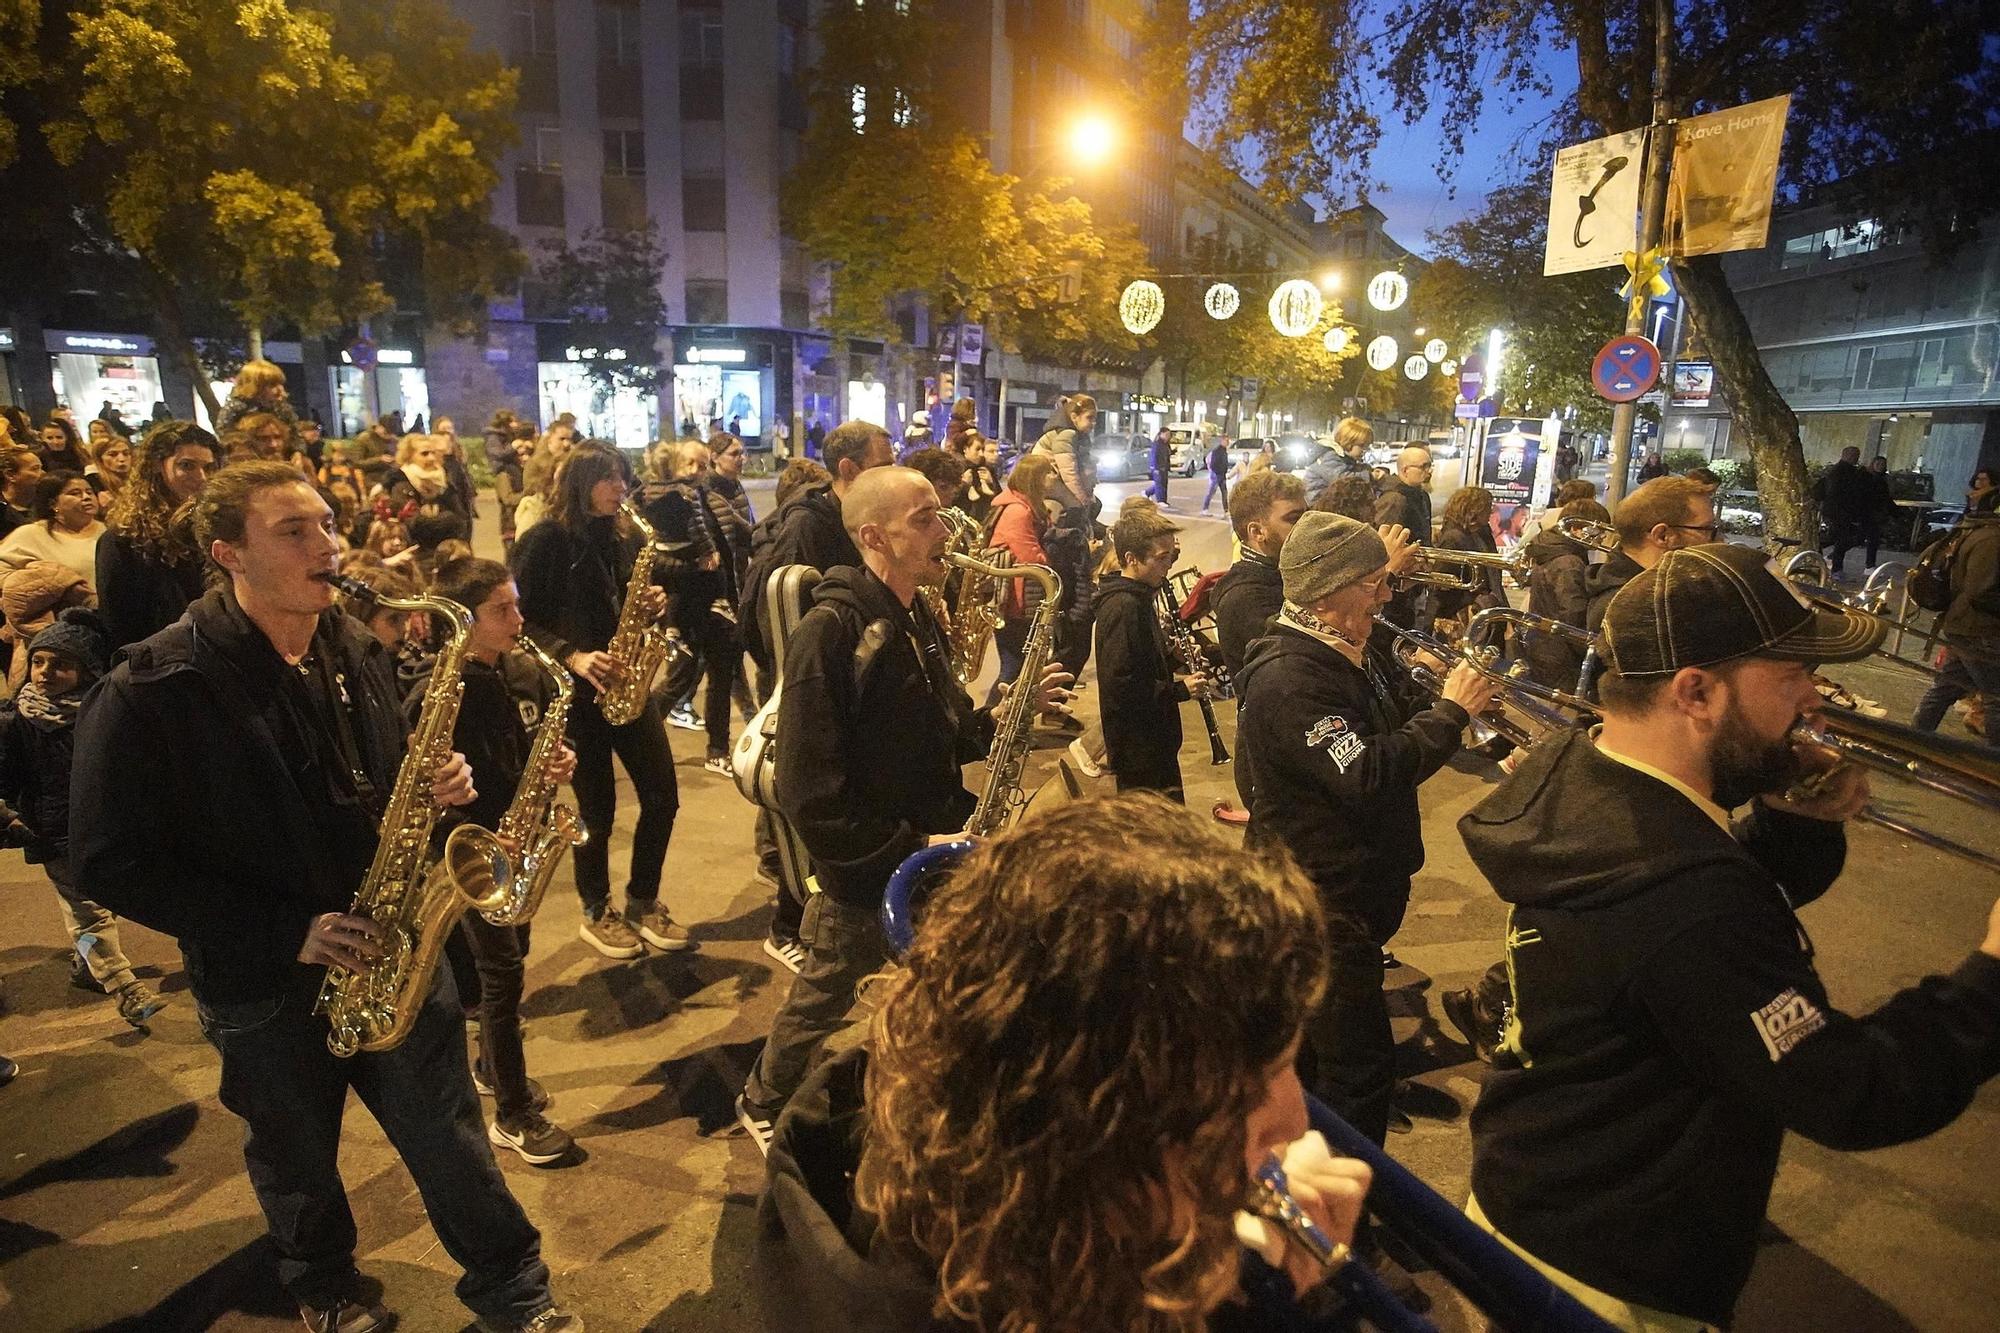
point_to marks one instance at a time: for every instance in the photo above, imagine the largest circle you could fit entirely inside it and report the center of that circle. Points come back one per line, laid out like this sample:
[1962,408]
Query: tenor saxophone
[412,899]
[638,645]
[536,825]
[1002,797]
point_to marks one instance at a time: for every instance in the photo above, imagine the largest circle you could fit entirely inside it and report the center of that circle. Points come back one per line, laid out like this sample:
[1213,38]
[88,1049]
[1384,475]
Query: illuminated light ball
[1388,289]
[1337,339]
[1295,308]
[1435,350]
[1382,353]
[1221,301]
[1447,367]
[1416,368]
[1141,305]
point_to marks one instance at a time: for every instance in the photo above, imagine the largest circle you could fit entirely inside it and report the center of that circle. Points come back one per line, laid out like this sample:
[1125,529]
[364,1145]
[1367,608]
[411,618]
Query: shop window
[704,204]
[707,302]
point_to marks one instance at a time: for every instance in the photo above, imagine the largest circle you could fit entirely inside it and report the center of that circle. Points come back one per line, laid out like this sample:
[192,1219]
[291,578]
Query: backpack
[1929,579]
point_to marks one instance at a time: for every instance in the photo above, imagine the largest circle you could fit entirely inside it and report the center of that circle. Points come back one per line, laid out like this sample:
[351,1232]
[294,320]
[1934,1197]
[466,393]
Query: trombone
[1964,770]
[1589,532]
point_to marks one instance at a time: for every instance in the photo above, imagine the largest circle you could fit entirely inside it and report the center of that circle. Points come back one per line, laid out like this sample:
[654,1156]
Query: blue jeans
[290,1092]
[1216,483]
[1963,674]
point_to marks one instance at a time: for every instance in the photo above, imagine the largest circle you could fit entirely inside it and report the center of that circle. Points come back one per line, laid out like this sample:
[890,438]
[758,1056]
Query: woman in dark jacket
[148,569]
[1467,525]
[573,569]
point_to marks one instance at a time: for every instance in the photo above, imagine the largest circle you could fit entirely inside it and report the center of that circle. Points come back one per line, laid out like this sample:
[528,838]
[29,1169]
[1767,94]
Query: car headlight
[1107,459]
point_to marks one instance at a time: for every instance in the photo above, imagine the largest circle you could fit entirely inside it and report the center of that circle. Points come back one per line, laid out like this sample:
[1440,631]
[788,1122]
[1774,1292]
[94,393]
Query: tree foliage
[282,156]
[608,288]
[1886,97]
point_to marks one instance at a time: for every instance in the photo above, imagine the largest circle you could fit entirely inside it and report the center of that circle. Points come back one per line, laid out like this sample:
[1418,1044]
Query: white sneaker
[685,718]
[788,952]
[758,1128]
[1080,756]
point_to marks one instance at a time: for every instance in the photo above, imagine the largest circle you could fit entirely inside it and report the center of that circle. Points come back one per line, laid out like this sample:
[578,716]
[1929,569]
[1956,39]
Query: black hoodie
[1671,1028]
[1328,764]
[1139,699]
[872,729]
[1558,588]
[1247,599]
[1602,582]
[807,531]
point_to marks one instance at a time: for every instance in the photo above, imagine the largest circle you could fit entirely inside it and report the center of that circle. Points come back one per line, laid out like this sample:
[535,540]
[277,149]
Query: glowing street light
[1329,281]
[1496,342]
[1092,139]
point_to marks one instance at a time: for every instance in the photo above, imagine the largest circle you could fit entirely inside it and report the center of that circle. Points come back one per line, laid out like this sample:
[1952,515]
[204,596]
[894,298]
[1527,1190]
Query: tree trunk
[171,325]
[38,390]
[1757,410]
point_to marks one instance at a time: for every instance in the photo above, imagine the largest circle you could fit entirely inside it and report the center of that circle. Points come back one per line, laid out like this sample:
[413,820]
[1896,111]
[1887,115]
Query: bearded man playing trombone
[1668,1022]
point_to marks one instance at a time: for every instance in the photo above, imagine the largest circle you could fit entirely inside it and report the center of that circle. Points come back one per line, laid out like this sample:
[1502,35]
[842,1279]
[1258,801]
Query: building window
[624,153]
[535,28]
[707,302]
[788,50]
[548,149]
[794,308]
[704,204]
[701,38]
[538,199]
[534,52]
[624,203]
[618,33]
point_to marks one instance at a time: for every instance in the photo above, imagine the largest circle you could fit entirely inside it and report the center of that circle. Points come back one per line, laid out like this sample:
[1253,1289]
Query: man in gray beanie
[1332,739]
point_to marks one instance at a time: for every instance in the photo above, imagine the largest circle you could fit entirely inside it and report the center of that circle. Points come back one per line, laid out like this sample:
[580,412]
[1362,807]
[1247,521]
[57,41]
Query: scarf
[1310,625]
[33,702]
[427,482]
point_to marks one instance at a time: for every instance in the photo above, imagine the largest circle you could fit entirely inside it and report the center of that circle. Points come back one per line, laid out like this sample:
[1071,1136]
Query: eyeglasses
[1710,528]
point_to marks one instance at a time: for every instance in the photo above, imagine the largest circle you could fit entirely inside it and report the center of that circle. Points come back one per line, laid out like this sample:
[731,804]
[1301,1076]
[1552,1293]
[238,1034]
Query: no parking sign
[1625,368]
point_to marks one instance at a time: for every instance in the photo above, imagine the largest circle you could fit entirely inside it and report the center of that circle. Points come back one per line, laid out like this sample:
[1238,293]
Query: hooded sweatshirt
[1671,1028]
[1602,582]
[1247,599]
[1557,588]
[1139,699]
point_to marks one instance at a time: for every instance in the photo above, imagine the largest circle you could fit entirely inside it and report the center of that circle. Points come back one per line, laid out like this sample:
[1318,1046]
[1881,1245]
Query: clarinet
[1194,661]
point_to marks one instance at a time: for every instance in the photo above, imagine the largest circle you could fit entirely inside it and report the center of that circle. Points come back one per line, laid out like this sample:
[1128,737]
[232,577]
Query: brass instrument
[1194,659]
[1964,770]
[1002,798]
[1589,532]
[639,644]
[1463,571]
[1525,710]
[540,828]
[415,902]
[970,617]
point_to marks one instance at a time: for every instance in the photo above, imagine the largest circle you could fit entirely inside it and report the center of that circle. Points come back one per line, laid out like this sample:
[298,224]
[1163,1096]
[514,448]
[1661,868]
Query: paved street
[124,1203]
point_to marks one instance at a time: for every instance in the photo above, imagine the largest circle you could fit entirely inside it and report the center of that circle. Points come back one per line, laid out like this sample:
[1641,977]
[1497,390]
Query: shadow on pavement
[1785,1268]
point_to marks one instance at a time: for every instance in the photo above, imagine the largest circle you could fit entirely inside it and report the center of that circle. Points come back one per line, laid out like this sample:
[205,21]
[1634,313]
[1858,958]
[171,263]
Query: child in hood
[37,736]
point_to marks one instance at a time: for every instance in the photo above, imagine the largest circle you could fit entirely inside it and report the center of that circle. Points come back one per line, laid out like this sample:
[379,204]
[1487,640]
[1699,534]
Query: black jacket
[679,513]
[498,714]
[1557,588]
[138,597]
[1843,491]
[35,761]
[1246,599]
[1602,582]
[1492,590]
[573,585]
[1332,767]
[870,741]
[198,808]
[1671,1028]
[1140,699]
[807,531]
[1408,505]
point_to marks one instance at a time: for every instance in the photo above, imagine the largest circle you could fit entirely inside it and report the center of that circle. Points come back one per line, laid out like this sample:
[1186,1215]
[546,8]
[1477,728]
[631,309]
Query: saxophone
[540,829]
[414,901]
[1002,798]
[639,645]
[968,619]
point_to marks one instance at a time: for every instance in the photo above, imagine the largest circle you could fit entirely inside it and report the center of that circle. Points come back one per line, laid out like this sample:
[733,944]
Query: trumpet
[1589,532]
[1525,710]
[1463,571]
[1963,770]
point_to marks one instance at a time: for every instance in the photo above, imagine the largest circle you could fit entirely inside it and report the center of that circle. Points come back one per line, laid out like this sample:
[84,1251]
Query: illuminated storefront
[721,385]
[395,383]
[89,370]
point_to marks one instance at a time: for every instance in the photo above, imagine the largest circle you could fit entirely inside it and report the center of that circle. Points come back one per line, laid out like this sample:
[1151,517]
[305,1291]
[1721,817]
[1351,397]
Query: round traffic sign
[1626,368]
[361,353]
[1471,376]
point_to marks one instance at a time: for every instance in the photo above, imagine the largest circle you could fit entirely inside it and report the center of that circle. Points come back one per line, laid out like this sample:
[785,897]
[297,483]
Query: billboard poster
[1509,457]
[1594,204]
[1694,383]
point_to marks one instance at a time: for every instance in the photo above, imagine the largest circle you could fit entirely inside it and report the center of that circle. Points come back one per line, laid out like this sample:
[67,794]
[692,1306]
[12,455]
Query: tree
[1290,81]
[608,288]
[285,159]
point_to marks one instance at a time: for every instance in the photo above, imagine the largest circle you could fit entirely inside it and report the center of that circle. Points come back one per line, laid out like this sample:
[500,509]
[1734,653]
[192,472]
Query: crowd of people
[1104,1035]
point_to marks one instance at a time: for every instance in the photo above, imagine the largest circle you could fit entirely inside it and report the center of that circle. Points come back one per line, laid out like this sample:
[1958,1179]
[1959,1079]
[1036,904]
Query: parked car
[1191,441]
[1124,457]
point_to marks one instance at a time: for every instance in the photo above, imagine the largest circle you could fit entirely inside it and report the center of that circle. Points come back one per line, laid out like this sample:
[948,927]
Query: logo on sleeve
[1341,744]
[1786,1021]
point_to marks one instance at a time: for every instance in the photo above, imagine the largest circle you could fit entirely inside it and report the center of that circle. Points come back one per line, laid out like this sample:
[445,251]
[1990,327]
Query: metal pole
[1652,222]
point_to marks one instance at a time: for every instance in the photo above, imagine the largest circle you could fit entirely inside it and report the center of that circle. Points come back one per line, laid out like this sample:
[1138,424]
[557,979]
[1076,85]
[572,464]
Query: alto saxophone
[638,645]
[412,899]
[1002,798]
[539,827]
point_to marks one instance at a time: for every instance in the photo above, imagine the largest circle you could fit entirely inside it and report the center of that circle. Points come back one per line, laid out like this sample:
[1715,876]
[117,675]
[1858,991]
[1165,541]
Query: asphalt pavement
[124,1203]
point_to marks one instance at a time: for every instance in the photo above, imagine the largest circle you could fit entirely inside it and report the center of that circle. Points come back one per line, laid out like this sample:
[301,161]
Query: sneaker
[554,1319]
[343,1317]
[609,935]
[8,1069]
[1399,1121]
[137,1003]
[535,1139]
[1512,761]
[538,1096]
[685,718]
[788,952]
[755,1125]
[1482,1034]
[719,764]
[658,929]
[1079,755]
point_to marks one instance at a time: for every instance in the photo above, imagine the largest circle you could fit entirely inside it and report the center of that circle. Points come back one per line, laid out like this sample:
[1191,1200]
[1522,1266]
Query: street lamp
[1329,281]
[1092,138]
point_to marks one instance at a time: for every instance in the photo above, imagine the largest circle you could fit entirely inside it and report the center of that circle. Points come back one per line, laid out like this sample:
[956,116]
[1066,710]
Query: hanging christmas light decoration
[1436,350]
[1416,368]
[1388,289]
[1337,338]
[1447,367]
[1295,308]
[1382,353]
[1141,305]
[1221,301]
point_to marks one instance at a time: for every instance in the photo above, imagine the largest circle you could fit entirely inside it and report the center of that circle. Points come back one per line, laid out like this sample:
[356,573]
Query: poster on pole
[1725,174]
[1594,204]
[1694,383]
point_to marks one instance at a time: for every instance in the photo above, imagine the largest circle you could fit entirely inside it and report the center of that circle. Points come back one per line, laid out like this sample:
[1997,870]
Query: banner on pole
[1725,175]
[1694,383]
[1594,203]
